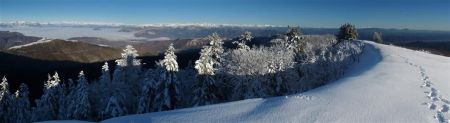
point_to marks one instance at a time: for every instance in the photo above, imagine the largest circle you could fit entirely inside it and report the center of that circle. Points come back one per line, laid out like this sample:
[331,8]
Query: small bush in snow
[377,37]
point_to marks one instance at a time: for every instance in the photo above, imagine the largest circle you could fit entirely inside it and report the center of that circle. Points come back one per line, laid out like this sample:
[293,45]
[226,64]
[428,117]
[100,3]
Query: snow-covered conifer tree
[128,67]
[146,99]
[205,91]
[100,91]
[188,75]
[60,93]
[292,38]
[6,103]
[170,59]
[243,39]
[210,56]
[205,87]
[113,108]
[248,71]
[205,64]
[53,81]
[297,43]
[275,85]
[66,99]
[125,83]
[79,106]
[47,107]
[22,113]
[106,76]
[169,94]
[129,55]
[216,48]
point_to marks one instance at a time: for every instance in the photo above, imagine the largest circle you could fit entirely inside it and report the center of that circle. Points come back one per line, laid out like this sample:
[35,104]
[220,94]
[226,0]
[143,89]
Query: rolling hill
[61,50]
[9,39]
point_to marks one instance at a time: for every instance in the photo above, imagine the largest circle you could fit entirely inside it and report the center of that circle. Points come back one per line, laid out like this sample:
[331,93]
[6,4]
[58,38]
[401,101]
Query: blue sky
[414,14]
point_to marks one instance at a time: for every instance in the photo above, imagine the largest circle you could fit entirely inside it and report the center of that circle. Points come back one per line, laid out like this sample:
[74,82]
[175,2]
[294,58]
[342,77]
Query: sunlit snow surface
[63,32]
[389,84]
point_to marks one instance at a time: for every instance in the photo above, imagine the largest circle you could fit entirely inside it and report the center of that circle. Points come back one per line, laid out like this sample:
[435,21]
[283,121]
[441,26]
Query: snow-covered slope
[390,84]
[43,40]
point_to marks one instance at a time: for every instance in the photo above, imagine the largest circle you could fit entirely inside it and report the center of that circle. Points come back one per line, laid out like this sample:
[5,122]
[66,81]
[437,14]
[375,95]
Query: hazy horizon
[399,14]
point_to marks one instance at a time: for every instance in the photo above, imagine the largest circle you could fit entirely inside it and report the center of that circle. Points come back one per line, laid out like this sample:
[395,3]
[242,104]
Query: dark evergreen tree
[292,38]
[245,38]
[79,106]
[100,91]
[6,102]
[125,85]
[149,90]
[207,66]
[47,107]
[22,112]
[169,93]
[347,32]
[113,108]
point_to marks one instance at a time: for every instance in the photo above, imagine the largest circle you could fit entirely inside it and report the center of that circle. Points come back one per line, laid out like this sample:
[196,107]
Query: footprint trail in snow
[436,103]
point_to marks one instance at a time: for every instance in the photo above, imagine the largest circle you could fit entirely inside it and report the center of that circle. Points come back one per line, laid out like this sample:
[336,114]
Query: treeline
[292,63]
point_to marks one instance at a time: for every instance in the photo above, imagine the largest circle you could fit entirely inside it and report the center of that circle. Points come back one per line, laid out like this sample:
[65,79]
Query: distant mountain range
[93,49]
[440,48]
[55,49]
[161,32]
[85,49]
[9,39]
[73,23]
